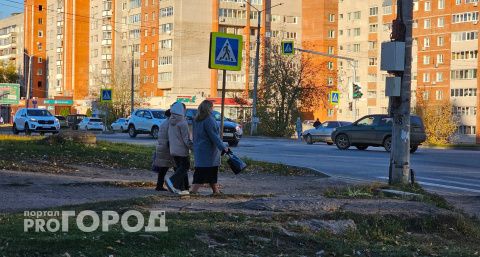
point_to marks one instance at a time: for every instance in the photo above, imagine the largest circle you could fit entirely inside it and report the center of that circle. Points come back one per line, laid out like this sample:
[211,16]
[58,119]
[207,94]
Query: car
[145,121]
[90,123]
[74,119]
[376,130]
[62,120]
[30,120]
[323,133]
[232,131]
[120,125]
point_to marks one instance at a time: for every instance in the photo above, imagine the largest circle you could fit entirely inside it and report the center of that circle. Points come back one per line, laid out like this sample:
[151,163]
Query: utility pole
[400,105]
[132,90]
[253,128]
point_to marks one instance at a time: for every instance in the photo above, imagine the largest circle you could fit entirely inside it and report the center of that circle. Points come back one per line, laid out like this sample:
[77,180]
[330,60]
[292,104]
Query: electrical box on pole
[393,56]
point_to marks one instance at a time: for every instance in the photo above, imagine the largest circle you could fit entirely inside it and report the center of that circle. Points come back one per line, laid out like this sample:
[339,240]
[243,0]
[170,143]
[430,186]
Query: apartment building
[445,63]
[11,40]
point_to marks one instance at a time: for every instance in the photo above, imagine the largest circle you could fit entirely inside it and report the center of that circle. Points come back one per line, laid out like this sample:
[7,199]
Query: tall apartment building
[445,55]
[11,40]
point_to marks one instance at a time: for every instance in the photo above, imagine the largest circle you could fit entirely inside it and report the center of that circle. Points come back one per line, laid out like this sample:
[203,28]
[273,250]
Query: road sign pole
[400,148]
[222,113]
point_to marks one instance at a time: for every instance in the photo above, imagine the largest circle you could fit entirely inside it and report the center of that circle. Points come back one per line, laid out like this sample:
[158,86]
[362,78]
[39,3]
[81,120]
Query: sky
[8,7]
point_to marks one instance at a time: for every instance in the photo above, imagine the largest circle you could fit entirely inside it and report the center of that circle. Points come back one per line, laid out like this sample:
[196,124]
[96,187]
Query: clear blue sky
[8,7]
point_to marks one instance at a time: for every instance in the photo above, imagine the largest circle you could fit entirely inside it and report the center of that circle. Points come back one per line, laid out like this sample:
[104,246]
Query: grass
[230,234]
[371,191]
[39,155]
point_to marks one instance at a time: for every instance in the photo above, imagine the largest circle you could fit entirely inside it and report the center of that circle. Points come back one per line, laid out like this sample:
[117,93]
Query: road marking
[443,186]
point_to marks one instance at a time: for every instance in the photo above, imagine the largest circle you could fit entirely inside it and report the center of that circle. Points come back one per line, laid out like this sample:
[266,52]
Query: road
[449,171]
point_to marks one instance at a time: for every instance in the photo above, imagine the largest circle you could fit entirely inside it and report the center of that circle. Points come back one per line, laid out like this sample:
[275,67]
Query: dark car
[62,120]
[376,130]
[74,119]
[232,132]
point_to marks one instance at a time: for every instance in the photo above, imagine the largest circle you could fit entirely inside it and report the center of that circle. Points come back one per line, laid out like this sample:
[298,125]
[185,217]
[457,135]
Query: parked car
[232,131]
[376,130]
[62,120]
[145,121]
[120,125]
[74,119]
[90,123]
[35,120]
[323,133]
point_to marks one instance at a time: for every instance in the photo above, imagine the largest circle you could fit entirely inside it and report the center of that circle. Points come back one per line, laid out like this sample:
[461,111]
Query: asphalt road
[449,171]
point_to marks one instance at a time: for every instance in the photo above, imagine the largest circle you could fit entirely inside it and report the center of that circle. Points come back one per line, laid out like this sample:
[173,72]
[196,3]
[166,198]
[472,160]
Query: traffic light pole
[399,172]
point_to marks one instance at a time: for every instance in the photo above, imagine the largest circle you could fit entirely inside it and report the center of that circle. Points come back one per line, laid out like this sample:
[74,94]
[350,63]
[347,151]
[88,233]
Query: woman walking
[207,147]
[163,161]
[180,145]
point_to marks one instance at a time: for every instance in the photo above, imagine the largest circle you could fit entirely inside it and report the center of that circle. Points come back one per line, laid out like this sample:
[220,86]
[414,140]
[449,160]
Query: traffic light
[357,93]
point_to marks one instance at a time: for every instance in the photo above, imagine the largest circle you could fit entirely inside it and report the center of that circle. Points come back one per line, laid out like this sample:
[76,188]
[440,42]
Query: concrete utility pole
[400,105]
[132,90]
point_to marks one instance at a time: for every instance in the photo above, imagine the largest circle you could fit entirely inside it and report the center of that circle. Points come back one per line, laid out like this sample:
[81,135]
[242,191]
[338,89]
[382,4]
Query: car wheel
[131,131]
[15,130]
[329,143]
[362,147]
[342,142]
[233,143]
[42,134]
[413,148]
[387,144]
[309,139]
[155,132]
[121,129]
[27,130]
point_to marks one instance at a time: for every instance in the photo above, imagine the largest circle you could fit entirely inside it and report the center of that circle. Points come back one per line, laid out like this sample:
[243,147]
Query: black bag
[235,163]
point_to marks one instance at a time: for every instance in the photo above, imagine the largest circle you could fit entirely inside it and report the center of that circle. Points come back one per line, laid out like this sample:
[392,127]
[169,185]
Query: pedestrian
[163,161]
[299,128]
[317,123]
[180,145]
[207,148]
[1,120]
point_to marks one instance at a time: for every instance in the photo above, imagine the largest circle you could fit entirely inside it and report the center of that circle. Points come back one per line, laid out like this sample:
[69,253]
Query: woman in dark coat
[207,148]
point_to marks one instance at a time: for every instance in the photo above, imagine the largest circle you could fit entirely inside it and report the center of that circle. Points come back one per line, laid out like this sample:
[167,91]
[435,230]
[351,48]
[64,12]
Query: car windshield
[218,115]
[60,117]
[416,121]
[43,113]
[158,114]
[95,120]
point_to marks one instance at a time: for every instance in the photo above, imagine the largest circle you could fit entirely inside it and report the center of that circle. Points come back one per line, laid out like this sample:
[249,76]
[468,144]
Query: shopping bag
[236,164]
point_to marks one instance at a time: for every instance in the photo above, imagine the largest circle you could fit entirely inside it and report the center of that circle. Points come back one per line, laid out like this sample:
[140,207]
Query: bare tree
[290,85]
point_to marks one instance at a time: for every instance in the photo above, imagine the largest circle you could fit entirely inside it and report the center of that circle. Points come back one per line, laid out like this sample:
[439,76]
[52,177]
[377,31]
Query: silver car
[323,132]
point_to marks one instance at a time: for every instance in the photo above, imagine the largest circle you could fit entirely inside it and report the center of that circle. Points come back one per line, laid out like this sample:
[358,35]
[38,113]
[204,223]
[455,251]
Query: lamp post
[253,128]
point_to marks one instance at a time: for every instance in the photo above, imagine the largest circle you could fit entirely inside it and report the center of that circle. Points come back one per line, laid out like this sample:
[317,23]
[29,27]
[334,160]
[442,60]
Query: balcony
[106,56]
[107,42]
[106,71]
[107,14]
[107,27]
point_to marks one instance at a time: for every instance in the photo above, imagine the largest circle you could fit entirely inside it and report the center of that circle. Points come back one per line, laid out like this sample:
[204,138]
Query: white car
[145,121]
[90,123]
[120,125]
[35,120]
[323,132]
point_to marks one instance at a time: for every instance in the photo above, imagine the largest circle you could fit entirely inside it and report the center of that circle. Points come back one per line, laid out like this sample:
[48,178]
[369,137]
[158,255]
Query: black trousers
[180,177]
[162,171]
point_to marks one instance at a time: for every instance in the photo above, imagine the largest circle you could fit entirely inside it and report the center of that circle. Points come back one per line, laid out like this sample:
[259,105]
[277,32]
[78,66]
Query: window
[463,92]
[438,95]
[356,48]
[439,77]
[135,4]
[40,21]
[372,28]
[465,55]
[356,32]
[40,7]
[440,41]
[426,77]
[40,33]
[426,59]
[331,34]
[428,6]
[165,60]
[426,24]
[441,22]
[440,58]
[373,11]
[331,17]
[357,15]
[166,12]
[372,61]
[441,4]
[164,76]
[372,45]
[39,72]
[464,74]
[166,44]
[330,65]
[464,36]
[426,42]
[39,46]
[40,60]
[331,50]
[167,27]
[426,95]
[465,17]
[467,130]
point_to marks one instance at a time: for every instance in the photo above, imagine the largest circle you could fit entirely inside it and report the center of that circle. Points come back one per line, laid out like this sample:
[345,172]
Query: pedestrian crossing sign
[288,48]
[225,51]
[106,95]
[334,97]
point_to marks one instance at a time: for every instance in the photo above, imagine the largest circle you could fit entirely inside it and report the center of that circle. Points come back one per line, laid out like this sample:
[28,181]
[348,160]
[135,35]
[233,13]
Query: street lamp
[253,129]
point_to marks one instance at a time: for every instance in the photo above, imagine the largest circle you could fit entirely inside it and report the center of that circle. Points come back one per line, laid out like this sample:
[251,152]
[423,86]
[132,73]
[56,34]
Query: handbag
[236,164]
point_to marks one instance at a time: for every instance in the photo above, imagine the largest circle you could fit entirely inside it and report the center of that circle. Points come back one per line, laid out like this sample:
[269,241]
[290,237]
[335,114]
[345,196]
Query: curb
[466,148]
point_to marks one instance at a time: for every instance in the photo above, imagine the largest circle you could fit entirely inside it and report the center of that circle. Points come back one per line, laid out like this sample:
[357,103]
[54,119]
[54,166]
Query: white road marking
[443,186]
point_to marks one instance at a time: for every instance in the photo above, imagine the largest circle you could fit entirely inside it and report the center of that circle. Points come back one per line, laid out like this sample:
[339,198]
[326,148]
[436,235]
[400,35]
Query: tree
[439,120]
[290,85]
[8,72]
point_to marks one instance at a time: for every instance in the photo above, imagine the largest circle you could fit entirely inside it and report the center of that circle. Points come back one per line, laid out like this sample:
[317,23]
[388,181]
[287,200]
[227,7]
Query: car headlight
[334,129]
[237,128]
[33,120]
[57,121]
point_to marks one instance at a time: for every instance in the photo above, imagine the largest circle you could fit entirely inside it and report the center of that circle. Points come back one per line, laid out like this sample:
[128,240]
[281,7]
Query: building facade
[11,41]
